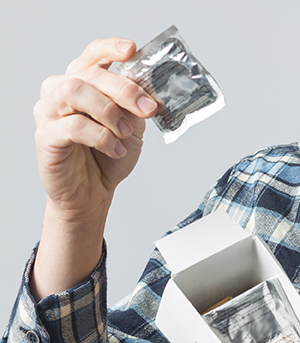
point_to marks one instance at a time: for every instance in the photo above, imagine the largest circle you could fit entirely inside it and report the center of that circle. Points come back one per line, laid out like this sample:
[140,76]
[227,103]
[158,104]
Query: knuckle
[105,137]
[71,86]
[129,89]
[71,66]
[92,47]
[109,109]
[47,85]
[93,75]
[37,108]
[74,123]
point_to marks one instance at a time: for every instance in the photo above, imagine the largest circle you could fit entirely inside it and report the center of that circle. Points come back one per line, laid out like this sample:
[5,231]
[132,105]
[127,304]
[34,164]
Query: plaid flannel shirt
[261,193]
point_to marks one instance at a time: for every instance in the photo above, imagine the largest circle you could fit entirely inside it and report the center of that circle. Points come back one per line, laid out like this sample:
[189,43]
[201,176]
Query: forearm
[90,125]
[69,250]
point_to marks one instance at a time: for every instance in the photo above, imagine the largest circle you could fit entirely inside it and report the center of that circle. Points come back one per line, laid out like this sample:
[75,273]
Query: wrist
[73,215]
[69,249]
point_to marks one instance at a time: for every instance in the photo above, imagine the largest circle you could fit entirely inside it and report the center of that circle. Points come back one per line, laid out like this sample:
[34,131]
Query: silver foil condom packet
[262,314]
[185,91]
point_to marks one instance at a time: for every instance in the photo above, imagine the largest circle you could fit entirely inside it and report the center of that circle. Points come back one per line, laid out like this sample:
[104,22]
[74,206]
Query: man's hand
[83,157]
[90,125]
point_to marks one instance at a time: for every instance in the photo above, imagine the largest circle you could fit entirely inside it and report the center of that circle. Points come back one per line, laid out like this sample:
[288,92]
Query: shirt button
[32,337]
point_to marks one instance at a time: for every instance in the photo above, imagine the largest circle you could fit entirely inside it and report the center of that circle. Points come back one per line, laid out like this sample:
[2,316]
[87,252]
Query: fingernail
[123,46]
[124,127]
[145,104]
[119,149]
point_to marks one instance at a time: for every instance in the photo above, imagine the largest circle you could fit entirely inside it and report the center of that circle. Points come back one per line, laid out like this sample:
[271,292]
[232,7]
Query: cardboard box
[211,259]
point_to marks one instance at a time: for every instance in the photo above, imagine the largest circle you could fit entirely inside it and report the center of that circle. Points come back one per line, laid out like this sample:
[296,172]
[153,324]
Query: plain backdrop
[250,47]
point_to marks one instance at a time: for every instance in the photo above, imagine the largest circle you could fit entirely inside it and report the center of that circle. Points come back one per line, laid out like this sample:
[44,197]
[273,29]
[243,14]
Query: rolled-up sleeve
[76,315]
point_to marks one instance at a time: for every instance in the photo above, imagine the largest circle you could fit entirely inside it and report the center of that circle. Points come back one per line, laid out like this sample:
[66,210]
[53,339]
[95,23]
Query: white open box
[211,259]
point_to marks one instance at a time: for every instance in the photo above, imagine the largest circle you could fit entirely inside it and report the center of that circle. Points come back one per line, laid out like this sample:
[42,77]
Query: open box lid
[200,240]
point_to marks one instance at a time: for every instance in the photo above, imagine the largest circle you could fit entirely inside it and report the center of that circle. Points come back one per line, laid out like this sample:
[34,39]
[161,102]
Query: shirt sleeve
[261,193]
[76,315]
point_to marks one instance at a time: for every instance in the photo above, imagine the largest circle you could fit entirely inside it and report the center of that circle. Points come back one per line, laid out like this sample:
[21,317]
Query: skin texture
[89,129]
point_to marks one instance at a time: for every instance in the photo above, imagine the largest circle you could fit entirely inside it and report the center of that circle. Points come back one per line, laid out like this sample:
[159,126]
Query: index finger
[103,52]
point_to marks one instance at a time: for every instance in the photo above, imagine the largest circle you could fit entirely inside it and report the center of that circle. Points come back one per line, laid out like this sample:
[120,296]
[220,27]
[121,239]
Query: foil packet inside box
[185,91]
[262,314]
[213,258]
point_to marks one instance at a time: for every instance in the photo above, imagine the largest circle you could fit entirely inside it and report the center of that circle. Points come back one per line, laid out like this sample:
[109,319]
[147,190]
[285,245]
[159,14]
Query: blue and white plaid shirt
[261,193]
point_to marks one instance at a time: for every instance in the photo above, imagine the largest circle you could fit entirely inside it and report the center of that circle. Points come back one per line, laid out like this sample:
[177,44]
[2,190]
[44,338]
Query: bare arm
[82,158]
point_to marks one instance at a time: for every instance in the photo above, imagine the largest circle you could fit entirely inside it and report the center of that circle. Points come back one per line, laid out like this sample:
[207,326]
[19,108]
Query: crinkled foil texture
[167,70]
[262,314]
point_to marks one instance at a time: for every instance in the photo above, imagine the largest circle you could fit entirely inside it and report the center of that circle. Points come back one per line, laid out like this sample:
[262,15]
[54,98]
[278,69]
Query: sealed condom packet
[185,91]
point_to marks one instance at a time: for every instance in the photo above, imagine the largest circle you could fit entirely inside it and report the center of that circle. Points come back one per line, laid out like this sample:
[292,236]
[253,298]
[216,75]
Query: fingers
[121,90]
[81,130]
[103,52]
[124,92]
[75,96]
[92,106]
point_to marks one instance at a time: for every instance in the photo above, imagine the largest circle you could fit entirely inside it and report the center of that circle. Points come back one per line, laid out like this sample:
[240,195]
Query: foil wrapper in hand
[262,314]
[185,91]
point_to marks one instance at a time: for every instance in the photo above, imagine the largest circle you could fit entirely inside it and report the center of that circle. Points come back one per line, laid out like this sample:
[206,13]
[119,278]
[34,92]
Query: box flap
[179,321]
[200,240]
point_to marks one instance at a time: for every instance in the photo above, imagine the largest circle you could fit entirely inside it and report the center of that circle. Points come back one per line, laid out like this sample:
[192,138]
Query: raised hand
[90,125]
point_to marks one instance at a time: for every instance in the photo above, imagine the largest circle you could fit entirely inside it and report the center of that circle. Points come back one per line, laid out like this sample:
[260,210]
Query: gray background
[250,47]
